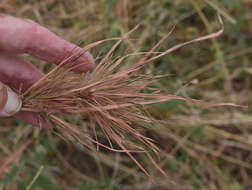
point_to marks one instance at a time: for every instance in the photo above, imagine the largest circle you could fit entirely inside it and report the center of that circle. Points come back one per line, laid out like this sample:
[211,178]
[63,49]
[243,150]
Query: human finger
[25,36]
[10,103]
[19,74]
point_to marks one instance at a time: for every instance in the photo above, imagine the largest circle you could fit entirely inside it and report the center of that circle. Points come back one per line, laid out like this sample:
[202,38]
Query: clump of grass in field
[111,98]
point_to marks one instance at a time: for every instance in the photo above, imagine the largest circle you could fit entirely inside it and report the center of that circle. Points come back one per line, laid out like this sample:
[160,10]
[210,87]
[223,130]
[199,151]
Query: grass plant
[200,147]
[111,98]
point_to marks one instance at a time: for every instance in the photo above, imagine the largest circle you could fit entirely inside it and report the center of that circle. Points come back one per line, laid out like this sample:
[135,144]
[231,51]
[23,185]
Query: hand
[19,36]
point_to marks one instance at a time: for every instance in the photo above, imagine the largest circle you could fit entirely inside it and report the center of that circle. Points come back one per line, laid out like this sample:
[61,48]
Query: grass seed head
[111,98]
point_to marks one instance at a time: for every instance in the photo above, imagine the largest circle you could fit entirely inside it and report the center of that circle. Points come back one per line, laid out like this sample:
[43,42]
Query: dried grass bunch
[111,98]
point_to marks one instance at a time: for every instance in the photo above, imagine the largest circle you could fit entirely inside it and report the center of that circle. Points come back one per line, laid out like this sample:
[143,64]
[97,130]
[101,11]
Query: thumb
[9,101]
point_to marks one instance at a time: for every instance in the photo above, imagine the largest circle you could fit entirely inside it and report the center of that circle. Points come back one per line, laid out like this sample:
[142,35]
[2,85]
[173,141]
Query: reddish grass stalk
[6,163]
[109,97]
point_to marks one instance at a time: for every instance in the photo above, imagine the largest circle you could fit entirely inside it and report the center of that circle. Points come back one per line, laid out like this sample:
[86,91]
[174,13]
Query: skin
[23,36]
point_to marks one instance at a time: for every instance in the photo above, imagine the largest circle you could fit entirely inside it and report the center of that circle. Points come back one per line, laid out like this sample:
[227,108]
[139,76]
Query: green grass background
[201,148]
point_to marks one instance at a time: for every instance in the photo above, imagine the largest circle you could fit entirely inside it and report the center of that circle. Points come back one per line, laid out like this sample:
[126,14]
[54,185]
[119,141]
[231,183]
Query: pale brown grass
[111,98]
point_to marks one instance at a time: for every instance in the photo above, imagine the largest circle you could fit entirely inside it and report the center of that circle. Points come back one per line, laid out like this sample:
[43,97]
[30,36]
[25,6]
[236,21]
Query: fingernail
[10,102]
[88,61]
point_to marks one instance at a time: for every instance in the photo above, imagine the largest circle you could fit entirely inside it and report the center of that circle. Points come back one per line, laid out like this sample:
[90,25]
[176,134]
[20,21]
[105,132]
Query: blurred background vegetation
[201,148]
